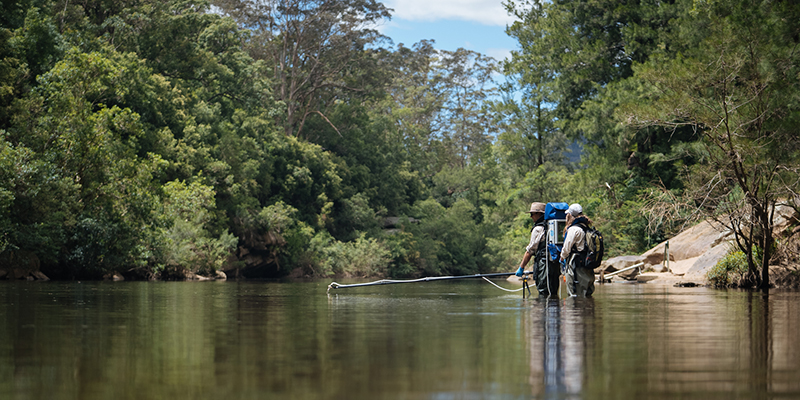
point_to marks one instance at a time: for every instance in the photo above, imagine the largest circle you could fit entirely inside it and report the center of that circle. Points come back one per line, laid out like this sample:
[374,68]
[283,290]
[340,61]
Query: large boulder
[786,216]
[619,263]
[696,250]
[697,272]
[21,265]
[691,243]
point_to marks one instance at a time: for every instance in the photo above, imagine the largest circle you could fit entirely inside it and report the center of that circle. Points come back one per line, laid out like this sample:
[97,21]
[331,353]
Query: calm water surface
[437,340]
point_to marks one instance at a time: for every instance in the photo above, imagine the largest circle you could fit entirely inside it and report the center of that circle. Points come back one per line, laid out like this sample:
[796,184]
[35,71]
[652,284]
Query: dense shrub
[729,271]
[362,257]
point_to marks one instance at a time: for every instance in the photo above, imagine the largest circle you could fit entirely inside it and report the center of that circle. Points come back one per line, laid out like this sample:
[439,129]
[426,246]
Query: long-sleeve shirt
[575,236]
[537,235]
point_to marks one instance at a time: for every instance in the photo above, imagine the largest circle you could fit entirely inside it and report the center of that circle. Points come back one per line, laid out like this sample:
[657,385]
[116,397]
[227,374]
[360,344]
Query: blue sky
[477,25]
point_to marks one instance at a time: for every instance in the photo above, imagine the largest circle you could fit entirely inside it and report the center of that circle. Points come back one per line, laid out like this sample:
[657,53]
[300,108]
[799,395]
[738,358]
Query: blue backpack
[555,214]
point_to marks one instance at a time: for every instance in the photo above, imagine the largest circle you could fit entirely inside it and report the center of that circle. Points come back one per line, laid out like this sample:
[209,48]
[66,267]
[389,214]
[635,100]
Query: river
[437,340]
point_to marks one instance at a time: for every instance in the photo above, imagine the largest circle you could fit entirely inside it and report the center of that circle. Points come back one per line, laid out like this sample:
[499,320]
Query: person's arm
[525,259]
[568,242]
[536,235]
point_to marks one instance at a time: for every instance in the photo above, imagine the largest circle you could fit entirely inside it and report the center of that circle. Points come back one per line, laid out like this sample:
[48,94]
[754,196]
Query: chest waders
[546,272]
[548,278]
[582,278]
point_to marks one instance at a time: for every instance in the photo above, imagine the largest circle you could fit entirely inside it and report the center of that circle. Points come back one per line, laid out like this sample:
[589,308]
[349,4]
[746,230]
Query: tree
[466,123]
[738,87]
[413,103]
[574,69]
[317,49]
[530,136]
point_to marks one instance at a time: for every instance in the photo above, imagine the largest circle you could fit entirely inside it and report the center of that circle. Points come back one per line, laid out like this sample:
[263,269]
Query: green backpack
[595,248]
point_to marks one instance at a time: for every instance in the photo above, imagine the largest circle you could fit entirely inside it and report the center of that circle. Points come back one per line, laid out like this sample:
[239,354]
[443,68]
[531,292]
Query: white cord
[335,285]
[502,288]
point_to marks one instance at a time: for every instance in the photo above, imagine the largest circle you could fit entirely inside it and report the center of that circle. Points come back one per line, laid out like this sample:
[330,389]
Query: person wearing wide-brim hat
[537,245]
[580,279]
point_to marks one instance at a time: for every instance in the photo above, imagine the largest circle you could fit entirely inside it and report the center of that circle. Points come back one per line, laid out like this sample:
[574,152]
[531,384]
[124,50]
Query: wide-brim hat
[537,208]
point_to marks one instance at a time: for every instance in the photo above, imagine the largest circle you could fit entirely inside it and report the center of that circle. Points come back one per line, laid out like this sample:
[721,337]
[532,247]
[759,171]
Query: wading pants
[580,280]
[547,277]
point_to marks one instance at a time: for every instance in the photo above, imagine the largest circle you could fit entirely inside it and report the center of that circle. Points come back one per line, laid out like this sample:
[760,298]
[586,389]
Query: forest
[269,139]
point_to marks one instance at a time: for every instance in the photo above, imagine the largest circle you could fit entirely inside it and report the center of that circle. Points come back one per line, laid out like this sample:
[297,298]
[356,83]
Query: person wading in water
[580,280]
[546,278]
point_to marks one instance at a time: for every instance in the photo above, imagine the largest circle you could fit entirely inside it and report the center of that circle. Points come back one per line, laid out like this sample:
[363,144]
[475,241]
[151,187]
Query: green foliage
[159,138]
[187,243]
[362,257]
[276,231]
[404,253]
[449,240]
[737,86]
[730,271]
[506,211]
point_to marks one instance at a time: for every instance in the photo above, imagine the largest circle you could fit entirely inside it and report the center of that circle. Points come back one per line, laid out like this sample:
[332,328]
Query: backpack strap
[585,228]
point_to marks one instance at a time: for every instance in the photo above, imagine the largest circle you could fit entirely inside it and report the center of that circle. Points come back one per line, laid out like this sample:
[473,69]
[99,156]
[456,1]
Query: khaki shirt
[575,236]
[537,235]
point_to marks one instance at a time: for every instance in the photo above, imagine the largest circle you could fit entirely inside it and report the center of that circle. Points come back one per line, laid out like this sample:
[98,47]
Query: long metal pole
[335,285]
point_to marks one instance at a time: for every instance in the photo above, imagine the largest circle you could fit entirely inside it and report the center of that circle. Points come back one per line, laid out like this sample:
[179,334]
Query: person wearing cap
[536,249]
[580,280]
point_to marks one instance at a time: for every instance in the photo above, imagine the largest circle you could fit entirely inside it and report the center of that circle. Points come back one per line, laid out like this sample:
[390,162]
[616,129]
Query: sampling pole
[335,285]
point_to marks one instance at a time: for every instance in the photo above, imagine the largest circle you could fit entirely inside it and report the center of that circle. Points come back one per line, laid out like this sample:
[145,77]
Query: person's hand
[520,272]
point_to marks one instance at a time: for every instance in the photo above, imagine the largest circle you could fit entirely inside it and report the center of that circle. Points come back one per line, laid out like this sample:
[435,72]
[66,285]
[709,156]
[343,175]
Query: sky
[477,25]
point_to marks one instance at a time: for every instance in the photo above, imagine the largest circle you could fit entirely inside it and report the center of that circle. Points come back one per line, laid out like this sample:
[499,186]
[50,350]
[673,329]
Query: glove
[520,271]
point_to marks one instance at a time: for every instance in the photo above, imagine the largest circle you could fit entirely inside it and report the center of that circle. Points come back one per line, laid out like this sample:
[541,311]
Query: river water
[437,340]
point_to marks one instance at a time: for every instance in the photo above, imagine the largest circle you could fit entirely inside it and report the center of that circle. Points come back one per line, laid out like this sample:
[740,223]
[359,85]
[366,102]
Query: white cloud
[498,54]
[486,12]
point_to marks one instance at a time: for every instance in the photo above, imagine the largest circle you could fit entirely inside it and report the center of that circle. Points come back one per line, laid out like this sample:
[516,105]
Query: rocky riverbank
[686,259]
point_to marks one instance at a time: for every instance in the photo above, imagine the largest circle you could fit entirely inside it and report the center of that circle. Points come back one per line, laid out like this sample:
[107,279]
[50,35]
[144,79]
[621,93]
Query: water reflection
[557,334]
[449,341]
[664,344]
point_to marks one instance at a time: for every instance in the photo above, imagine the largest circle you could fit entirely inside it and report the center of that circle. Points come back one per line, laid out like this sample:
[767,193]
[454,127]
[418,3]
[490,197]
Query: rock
[788,277]
[395,222]
[705,262]
[20,264]
[658,268]
[692,242]
[646,278]
[617,263]
[785,217]
[40,276]
[679,268]
[655,256]
[113,277]
[18,273]
[220,276]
